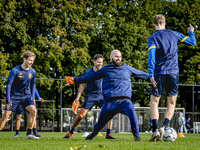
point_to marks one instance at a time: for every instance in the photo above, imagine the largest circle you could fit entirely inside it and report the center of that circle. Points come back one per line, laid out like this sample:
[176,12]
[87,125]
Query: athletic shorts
[23,102]
[88,104]
[19,110]
[169,82]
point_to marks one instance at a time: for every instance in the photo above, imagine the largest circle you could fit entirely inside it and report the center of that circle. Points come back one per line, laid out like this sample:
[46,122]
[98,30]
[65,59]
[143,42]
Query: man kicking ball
[116,87]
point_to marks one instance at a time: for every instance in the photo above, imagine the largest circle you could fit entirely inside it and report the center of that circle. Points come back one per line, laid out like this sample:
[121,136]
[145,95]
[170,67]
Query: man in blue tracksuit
[19,112]
[164,70]
[20,90]
[116,89]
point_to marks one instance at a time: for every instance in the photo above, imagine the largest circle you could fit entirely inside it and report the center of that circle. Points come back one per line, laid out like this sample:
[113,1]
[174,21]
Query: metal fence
[192,86]
[61,120]
[50,119]
[45,119]
[121,122]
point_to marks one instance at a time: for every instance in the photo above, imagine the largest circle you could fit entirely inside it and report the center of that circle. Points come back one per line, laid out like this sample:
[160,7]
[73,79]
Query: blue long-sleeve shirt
[20,84]
[93,90]
[116,80]
[37,94]
[163,51]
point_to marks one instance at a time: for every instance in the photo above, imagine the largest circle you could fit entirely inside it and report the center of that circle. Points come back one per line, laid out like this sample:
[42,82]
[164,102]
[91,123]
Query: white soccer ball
[150,131]
[170,134]
[146,132]
[85,134]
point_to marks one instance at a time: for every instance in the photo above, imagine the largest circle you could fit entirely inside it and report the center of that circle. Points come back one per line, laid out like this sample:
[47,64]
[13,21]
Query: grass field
[124,141]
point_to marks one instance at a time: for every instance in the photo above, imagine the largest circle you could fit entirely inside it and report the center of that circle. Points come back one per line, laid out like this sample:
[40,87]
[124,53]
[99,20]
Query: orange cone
[180,134]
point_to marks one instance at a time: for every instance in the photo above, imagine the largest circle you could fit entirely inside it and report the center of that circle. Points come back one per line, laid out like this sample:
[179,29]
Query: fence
[121,122]
[192,94]
[61,120]
[52,121]
[45,118]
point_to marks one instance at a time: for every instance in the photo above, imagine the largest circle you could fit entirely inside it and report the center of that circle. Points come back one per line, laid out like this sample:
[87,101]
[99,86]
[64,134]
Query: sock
[17,131]
[108,132]
[72,130]
[34,131]
[29,131]
[0,130]
[166,122]
[155,124]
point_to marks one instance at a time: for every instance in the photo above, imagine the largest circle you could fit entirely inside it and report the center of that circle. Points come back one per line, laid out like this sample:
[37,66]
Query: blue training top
[20,84]
[93,90]
[116,80]
[163,51]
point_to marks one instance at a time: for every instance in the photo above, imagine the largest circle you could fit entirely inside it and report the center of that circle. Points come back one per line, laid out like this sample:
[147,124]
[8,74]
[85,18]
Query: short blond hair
[158,19]
[28,54]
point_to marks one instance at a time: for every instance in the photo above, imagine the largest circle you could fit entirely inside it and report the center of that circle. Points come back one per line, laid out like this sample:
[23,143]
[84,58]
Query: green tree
[55,32]
[3,70]
[119,26]
[178,17]
[65,35]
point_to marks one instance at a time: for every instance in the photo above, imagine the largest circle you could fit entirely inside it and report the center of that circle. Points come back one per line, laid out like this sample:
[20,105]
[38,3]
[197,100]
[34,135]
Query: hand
[76,100]
[69,80]
[8,106]
[191,28]
[41,100]
[153,82]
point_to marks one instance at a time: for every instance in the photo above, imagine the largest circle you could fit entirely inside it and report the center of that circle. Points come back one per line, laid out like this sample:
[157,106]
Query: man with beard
[116,89]
[93,96]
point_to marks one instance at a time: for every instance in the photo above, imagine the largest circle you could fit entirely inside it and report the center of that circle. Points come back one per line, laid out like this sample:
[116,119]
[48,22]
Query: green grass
[124,141]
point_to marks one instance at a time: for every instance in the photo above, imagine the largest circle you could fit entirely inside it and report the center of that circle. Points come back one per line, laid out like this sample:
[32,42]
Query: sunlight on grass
[124,141]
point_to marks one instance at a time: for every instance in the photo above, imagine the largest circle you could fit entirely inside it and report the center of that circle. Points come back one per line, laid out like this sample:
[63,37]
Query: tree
[65,35]
[3,70]
[55,32]
[179,15]
[119,27]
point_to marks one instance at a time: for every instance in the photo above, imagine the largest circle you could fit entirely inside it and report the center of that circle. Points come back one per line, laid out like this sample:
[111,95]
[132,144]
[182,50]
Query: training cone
[180,134]
[85,134]
[99,134]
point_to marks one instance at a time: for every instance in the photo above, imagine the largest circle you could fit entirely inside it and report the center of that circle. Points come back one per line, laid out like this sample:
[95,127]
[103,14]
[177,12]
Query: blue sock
[108,132]
[155,124]
[72,130]
[166,122]
[34,131]
[29,131]
[17,131]
[0,130]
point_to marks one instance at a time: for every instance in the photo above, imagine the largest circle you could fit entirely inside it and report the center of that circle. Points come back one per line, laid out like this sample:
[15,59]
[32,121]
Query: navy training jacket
[163,51]
[116,80]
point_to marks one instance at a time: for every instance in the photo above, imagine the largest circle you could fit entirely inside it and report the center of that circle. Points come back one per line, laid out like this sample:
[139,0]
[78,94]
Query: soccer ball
[146,132]
[170,134]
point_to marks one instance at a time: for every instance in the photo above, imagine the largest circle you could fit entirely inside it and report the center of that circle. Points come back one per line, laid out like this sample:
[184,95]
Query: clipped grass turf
[124,141]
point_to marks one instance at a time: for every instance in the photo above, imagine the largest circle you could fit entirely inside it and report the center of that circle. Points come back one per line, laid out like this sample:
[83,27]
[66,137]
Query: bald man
[116,89]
